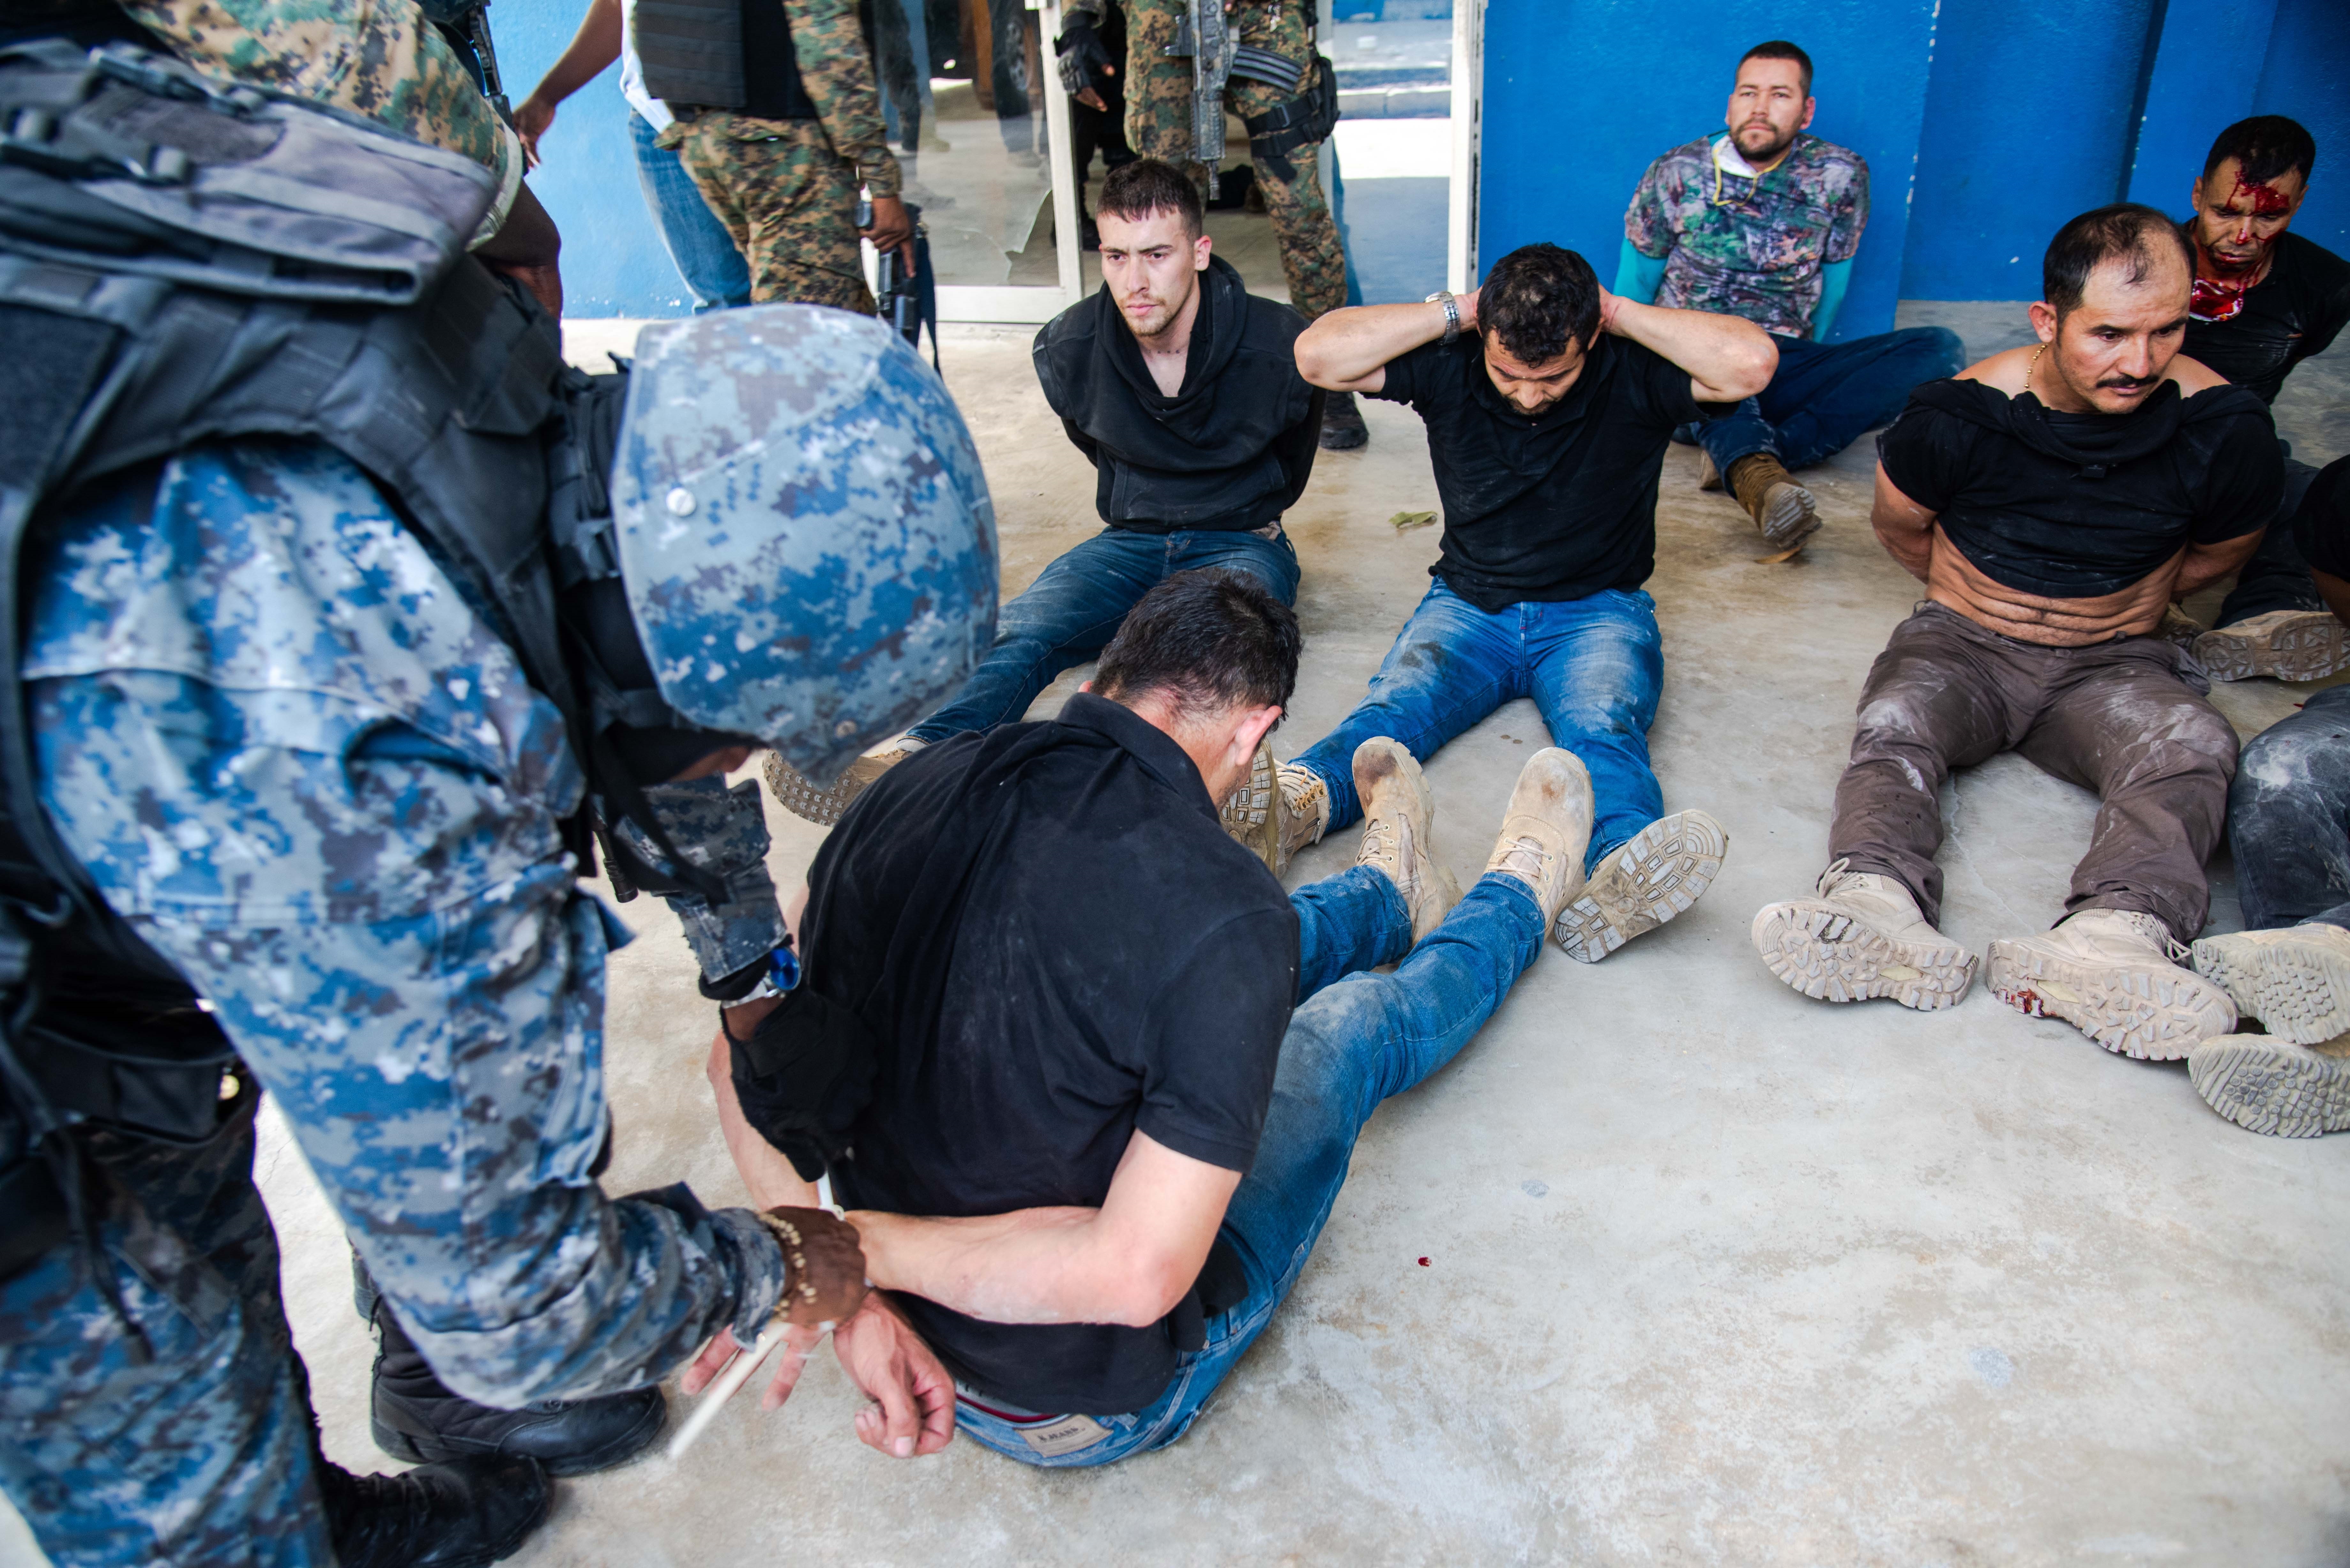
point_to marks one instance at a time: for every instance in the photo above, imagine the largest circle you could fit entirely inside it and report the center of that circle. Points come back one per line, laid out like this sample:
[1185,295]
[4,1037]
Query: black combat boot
[417,1419]
[1341,423]
[465,1513]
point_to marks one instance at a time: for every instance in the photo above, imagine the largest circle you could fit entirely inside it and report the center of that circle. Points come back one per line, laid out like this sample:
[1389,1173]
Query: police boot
[1783,509]
[462,1514]
[1343,428]
[415,1418]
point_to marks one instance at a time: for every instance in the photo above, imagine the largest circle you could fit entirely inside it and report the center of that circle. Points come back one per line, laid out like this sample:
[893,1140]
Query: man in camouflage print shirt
[1764,222]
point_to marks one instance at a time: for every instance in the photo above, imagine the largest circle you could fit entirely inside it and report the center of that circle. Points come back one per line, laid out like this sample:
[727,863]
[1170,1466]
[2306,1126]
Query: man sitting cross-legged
[1099,1142]
[1549,404]
[2053,500]
[1179,386]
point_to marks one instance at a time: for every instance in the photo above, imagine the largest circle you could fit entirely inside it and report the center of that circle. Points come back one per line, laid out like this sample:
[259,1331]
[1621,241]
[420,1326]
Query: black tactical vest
[723,54]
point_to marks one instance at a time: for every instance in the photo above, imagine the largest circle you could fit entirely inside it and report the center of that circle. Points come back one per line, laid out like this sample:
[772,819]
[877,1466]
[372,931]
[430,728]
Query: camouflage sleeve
[1851,216]
[1647,223]
[721,830]
[380,58]
[311,776]
[837,71]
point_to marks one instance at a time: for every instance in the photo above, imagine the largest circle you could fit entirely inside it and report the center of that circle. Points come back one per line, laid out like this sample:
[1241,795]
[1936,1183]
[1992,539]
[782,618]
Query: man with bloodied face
[2054,500]
[2265,299]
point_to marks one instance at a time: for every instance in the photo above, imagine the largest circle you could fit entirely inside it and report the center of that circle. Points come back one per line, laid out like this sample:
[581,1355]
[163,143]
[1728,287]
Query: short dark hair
[1135,191]
[2264,146]
[1210,638]
[2127,232]
[1538,299]
[1780,50]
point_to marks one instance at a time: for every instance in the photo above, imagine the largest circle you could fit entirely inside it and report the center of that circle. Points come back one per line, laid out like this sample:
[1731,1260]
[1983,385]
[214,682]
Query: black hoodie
[2073,506]
[1232,449]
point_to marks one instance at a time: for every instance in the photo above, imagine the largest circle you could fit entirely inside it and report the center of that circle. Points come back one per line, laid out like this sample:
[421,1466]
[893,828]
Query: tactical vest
[188,262]
[724,54]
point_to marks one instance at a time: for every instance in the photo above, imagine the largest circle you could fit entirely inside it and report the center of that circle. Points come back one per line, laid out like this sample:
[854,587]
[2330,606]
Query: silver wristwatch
[1443,296]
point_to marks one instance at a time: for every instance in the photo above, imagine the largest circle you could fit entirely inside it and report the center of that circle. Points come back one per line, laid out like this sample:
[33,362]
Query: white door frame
[1468,125]
[1034,303]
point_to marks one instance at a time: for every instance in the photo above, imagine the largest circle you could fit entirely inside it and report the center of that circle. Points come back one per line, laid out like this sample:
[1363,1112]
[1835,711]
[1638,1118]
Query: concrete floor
[1714,1273]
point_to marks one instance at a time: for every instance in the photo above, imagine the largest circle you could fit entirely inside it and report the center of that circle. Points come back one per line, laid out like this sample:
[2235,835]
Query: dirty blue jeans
[1351,1044]
[1075,606]
[1595,668]
[697,243]
[2289,817]
[1824,395]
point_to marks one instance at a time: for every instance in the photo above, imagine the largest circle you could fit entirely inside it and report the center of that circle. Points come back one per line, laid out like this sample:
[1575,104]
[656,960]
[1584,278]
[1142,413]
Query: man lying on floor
[1549,404]
[1099,1142]
[2053,500]
[2289,824]
[1179,386]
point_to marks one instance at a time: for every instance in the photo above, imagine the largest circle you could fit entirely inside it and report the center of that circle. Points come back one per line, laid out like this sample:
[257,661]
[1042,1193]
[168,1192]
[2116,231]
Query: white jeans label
[1066,1436]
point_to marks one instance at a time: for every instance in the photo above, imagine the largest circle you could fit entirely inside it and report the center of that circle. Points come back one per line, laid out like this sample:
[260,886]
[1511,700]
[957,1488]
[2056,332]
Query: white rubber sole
[2267,1087]
[2298,989]
[1832,956]
[2153,1012]
[1659,873]
[797,794]
[2308,645]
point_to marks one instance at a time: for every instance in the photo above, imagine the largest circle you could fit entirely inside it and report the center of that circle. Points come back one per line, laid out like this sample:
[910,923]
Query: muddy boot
[1654,874]
[1862,935]
[463,1514]
[2266,1085]
[1782,508]
[1343,428]
[2178,628]
[2110,973]
[415,1416]
[2295,981]
[1279,809]
[2291,644]
[798,795]
[1546,829]
[1399,826]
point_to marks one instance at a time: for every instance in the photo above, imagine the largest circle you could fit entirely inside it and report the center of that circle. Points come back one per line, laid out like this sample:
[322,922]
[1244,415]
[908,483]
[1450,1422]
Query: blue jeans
[1349,1047]
[1595,668]
[2277,577]
[1073,609]
[1825,394]
[705,253]
[2289,817]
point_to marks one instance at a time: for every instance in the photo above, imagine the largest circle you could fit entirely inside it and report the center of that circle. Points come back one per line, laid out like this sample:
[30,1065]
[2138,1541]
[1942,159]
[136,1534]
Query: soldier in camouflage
[783,172]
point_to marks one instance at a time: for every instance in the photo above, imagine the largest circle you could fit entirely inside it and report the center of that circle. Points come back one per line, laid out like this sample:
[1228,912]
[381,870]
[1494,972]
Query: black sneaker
[465,1513]
[1341,423]
[416,1417]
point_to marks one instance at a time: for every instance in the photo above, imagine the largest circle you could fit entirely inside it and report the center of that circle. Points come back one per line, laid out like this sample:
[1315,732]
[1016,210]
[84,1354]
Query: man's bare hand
[892,229]
[798,1344]
[827,1277]
[914,1409]
[532,117]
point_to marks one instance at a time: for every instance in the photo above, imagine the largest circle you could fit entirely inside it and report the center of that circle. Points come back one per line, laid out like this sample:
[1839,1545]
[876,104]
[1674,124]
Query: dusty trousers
[2126,718]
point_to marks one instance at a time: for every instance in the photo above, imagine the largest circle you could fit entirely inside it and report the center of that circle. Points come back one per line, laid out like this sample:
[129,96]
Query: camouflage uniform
[786,189]
[1158,125]
[308,770]
[1748,245]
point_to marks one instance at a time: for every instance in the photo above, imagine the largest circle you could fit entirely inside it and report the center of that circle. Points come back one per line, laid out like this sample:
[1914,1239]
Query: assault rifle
[465,23]
[1205,38]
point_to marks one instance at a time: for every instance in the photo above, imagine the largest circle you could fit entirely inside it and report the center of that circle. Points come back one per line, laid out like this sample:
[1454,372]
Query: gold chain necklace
[2033,366]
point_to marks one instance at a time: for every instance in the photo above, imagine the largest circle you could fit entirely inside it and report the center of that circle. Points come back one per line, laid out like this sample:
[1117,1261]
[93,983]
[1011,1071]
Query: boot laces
[1382,843]
[1833,880]
[1524,857]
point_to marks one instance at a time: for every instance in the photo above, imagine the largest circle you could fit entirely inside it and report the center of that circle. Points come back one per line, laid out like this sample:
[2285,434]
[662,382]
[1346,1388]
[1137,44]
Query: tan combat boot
[1655,874]
[798,795]
[1279,809]
[2292,645]
[1546,829]
[1399,827]
[2269,1086]
[2110,973]
[2295,981]
[1862,935]
[1782,508]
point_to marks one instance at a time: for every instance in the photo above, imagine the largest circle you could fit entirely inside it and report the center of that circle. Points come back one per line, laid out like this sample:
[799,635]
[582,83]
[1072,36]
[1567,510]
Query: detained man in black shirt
[2053,500]
[1549,404]
[2265,299]
[1179,386]
[2289,824]
[1099,1143]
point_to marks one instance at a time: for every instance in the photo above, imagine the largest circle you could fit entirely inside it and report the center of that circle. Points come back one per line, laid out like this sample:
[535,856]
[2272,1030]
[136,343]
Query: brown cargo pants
[2127,719]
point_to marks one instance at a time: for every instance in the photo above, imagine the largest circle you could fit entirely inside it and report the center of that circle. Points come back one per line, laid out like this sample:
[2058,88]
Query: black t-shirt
[2294,312]
[1116,964]
[2073,506]
[2322,527]
[1561,505]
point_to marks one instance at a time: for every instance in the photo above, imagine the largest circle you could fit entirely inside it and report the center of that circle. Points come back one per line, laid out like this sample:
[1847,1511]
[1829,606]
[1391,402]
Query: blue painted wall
[1985,126]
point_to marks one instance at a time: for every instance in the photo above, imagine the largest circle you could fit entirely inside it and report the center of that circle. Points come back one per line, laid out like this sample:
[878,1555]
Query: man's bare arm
[1904,528]
[1349,350]
[596,45]
[2204,564]
[1729,358]
[2335,592]
[1128,1261]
